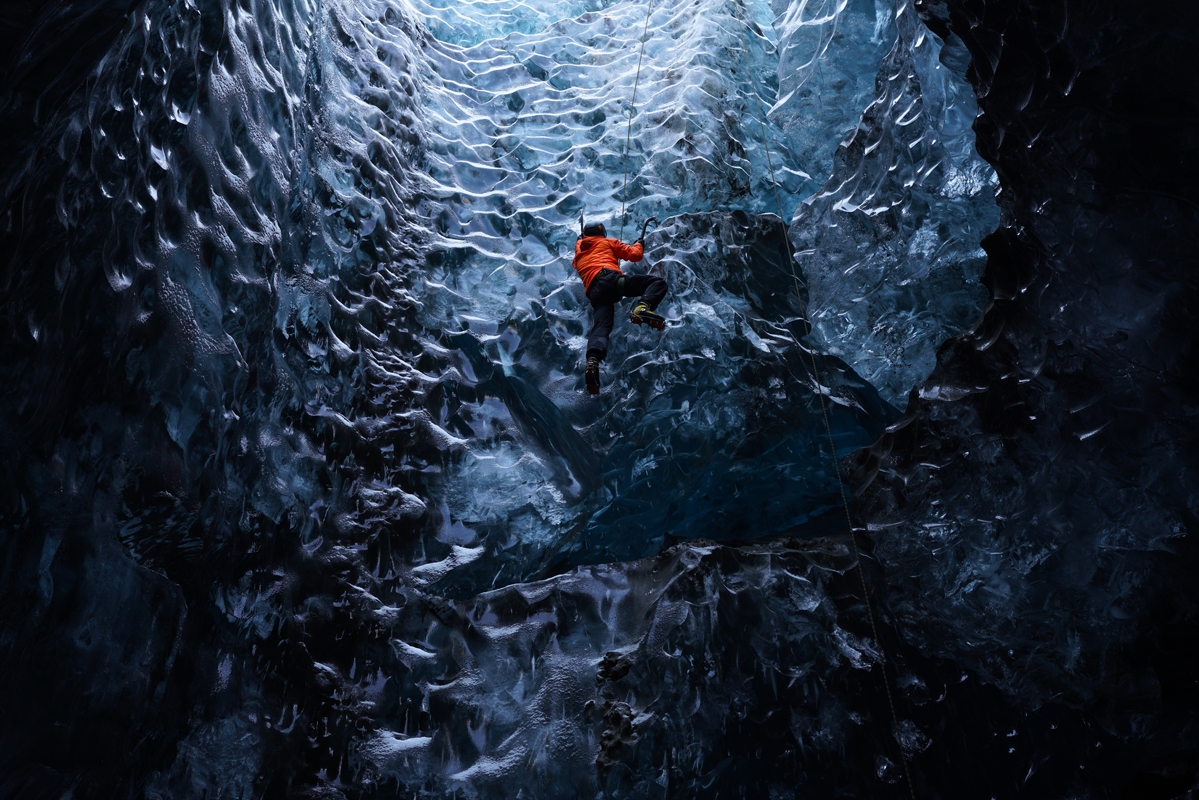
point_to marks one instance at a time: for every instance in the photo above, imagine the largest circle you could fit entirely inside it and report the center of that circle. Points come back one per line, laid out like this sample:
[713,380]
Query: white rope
[624,193]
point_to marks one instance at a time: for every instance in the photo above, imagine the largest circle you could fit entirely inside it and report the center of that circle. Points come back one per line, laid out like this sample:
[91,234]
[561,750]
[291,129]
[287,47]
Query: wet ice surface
[692,426]
[890,245]
[528,130]
[348,424]
[710,431]
[594,682]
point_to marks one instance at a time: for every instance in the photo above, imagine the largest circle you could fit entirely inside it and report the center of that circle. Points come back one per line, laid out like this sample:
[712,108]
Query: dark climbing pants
[608,289]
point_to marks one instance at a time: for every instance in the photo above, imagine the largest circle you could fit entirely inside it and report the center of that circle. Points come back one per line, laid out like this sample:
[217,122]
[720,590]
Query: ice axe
[646,225]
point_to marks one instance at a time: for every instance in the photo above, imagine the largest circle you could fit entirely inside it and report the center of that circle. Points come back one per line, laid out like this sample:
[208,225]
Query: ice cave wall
[227,402]
[524,134]
[1065,414]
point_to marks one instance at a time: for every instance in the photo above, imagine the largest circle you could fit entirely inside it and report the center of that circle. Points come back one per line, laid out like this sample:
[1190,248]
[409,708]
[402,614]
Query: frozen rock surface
[304,498]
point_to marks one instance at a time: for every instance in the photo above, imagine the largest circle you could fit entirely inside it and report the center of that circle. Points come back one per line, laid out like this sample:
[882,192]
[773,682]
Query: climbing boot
[592,375]
[644,315]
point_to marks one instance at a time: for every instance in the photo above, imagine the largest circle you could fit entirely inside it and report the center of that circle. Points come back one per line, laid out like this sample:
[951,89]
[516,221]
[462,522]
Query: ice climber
[597,260]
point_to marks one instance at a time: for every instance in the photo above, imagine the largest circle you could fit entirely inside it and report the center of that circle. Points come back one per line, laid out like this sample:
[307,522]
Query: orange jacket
[595,253]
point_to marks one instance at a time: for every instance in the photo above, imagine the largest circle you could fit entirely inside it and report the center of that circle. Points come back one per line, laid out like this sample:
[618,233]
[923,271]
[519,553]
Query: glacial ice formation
[528,130]
[305,497]
[891,244]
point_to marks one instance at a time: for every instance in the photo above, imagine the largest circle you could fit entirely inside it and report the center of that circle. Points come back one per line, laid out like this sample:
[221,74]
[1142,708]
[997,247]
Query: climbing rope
[823,406]
[624,192]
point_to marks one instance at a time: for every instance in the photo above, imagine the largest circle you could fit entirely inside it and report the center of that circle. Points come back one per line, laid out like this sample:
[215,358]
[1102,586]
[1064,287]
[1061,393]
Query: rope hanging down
[823,406]
[624,192]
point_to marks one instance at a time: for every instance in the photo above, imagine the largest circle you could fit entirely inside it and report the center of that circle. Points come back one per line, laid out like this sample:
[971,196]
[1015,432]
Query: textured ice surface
[337,238]
[531,128]
[1032,468]
[890,245]
[829,55]
[603,678]
[526,132]
[693,424]
[304,479]
[340,362]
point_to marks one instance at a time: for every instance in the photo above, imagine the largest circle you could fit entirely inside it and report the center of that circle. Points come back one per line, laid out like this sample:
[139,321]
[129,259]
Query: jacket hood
[588,242]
